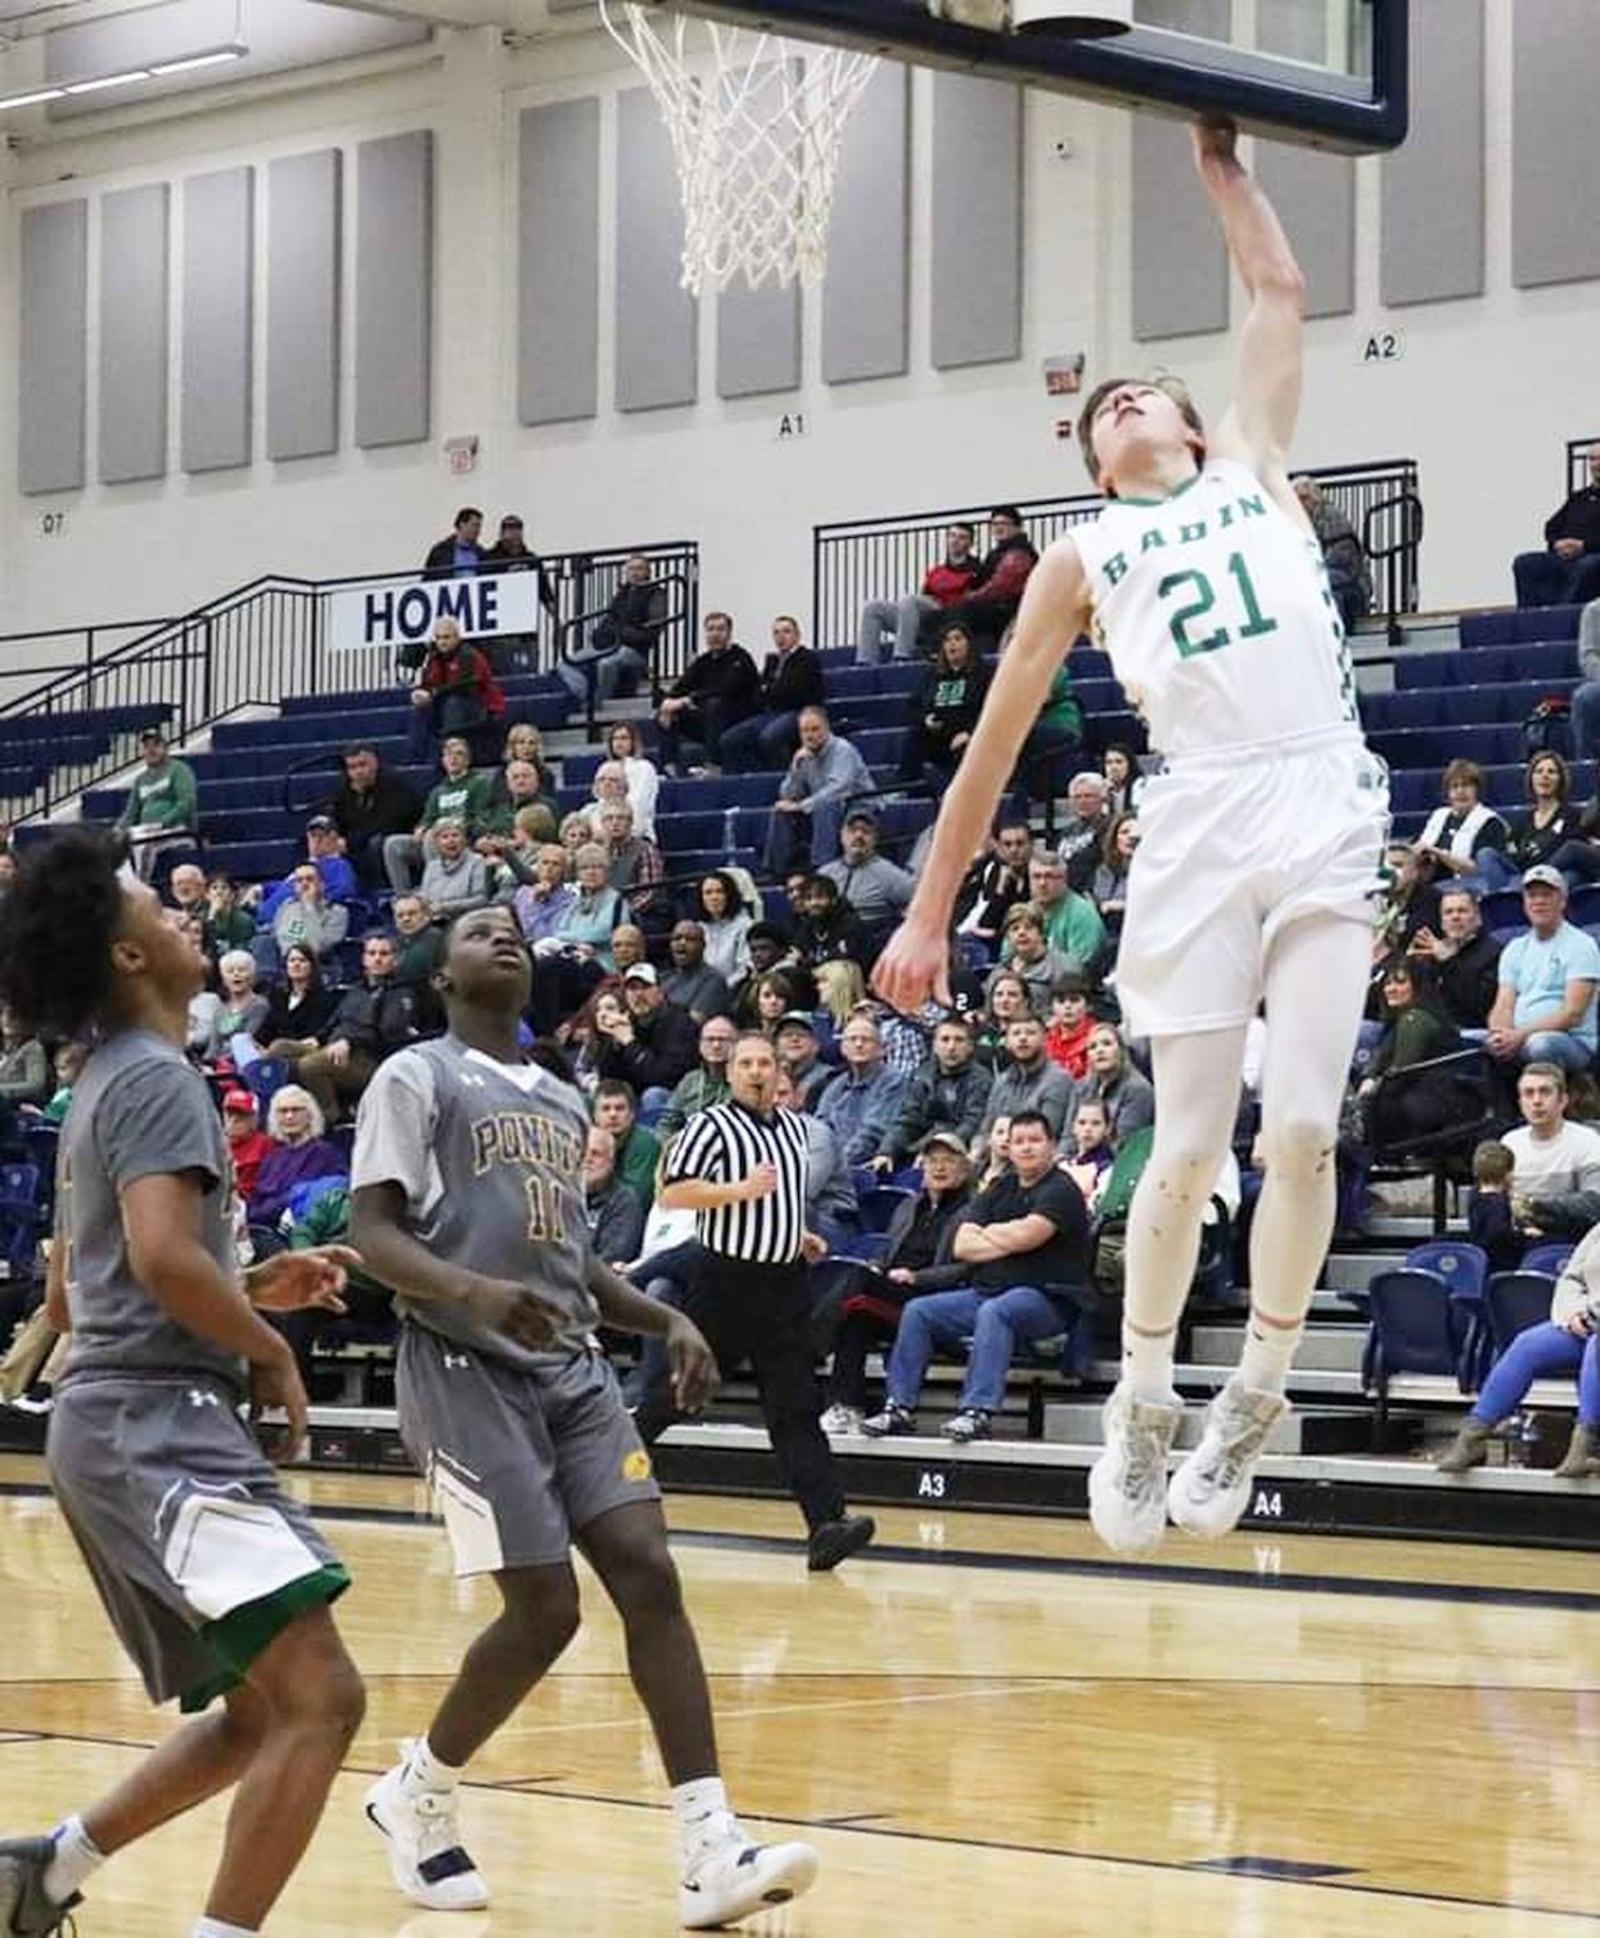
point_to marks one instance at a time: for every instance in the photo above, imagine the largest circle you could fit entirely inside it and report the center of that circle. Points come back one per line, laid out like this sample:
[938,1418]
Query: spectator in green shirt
[616,1110]
[227,926]
[162,800]
[1072,923]
[1056,736]
[459,794]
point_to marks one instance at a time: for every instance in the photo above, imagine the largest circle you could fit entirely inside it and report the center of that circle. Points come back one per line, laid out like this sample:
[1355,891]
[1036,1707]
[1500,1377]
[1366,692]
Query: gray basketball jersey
[138,1110]
[490,1156]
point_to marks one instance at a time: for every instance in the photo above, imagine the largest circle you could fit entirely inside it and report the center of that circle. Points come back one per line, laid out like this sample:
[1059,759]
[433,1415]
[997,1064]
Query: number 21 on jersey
[1201,605]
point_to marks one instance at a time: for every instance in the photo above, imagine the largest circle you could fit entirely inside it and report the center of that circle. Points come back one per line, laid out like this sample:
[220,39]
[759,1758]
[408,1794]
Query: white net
[757,125]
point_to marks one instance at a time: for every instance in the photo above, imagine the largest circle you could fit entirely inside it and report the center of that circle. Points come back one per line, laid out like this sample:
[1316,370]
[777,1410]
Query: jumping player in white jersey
[1256,867]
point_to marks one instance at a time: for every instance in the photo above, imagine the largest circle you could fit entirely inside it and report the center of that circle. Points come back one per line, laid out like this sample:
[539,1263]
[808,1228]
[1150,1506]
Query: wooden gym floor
[987,1729]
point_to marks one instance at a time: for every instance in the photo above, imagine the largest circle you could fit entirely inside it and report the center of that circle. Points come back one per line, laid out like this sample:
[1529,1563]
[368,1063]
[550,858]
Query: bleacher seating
[1469,701]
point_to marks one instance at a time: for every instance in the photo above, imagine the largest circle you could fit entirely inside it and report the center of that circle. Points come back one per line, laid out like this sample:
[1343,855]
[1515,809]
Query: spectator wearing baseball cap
[163,802]
[1544,1008]
[324,847]
[875,888]
[799,1051]
[864,1311]
[652,1046]
[248,1143]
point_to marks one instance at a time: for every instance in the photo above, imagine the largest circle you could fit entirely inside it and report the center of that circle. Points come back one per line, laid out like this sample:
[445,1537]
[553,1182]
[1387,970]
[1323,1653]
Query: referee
[741,1166]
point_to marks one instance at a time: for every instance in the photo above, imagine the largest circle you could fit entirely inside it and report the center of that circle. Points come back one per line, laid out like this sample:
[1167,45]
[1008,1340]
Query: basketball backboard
[1329,73]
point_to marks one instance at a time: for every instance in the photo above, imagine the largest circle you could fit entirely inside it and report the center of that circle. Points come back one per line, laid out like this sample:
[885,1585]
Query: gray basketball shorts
[199,1557]
[518,1461]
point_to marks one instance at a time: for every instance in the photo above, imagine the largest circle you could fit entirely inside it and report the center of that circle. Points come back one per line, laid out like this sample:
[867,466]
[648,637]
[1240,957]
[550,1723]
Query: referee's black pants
[762,1313]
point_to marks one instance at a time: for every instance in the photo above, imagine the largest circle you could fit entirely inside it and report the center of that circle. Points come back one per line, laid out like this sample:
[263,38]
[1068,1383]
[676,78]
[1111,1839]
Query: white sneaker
[840,1422]
[1128,1483]
[735,1878]
[1211,1489]
[425,1851]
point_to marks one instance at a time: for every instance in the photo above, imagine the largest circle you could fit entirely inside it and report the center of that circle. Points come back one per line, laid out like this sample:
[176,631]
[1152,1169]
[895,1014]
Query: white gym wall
[1484,396]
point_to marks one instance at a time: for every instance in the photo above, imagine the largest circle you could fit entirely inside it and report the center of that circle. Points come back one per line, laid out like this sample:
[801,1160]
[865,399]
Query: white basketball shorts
[1234,846]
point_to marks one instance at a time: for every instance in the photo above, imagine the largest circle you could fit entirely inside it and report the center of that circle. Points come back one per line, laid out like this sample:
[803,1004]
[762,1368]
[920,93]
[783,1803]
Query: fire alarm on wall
[460,455]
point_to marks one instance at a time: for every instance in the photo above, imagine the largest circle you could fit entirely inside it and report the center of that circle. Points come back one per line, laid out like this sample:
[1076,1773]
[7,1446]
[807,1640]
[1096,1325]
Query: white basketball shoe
[424,1837]
[1211,1489]
[1128,1483]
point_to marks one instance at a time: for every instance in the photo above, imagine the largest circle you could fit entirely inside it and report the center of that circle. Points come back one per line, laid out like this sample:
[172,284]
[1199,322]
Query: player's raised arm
[1260,425]
[1054,612]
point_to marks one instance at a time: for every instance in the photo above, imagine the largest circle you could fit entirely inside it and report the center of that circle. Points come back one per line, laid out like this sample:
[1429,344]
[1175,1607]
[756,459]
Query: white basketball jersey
[1215,608]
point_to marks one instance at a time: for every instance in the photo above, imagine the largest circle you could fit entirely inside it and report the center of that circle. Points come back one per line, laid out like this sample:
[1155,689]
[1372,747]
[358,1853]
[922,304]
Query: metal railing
[1578,450]
[885,558]
[254,647]
[673,637]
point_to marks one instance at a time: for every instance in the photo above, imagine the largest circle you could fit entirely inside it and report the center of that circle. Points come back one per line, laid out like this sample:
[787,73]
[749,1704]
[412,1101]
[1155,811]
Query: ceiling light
[127,77]
[190,62]
[107,80]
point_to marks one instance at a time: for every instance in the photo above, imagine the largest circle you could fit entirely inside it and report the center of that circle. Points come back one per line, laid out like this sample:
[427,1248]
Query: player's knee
[326,1698]
[1299,1150]
[1181,1175]
[544,1615]
[645,1586]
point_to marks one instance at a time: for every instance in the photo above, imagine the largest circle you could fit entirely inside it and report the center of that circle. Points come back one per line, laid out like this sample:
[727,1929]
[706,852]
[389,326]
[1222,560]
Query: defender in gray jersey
[216,1581]
[468,1199]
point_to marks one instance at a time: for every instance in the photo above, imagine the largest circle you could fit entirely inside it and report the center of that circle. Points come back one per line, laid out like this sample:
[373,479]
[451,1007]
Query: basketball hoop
[757,126]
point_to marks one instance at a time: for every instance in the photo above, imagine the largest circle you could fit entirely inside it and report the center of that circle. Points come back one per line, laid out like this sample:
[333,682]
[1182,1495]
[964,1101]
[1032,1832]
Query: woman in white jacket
[1457,833]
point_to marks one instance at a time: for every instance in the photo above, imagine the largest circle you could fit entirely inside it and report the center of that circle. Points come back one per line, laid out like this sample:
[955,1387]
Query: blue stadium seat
[1418,1326]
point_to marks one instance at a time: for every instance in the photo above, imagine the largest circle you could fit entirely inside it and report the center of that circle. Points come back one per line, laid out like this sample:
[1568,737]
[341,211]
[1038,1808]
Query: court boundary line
[1186,1574]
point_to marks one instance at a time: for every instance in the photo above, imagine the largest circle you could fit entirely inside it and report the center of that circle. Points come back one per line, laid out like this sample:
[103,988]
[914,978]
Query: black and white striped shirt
[724,1145]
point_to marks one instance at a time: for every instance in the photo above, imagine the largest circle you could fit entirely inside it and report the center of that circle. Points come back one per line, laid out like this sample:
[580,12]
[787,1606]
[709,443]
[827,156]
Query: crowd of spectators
[644,980]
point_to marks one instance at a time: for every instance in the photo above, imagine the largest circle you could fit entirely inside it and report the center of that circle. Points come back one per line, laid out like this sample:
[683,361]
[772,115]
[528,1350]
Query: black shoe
[836,1541]
[894,1419]
[26,1909]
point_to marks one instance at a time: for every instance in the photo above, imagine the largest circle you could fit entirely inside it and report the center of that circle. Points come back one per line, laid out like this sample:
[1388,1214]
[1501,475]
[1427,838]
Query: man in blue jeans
[1026,1238]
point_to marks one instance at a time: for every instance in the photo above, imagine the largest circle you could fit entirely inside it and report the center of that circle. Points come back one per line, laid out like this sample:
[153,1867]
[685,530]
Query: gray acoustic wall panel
[558,263]
[1433,187]
[134,308]
[977,221]
[303,224]
[866,300]
[218,319]
[1315,193]
[658,322]
[1180,266]
[1555,214]
[758,341]
[52,347]
[758,330]
[394,290]
[1316,196]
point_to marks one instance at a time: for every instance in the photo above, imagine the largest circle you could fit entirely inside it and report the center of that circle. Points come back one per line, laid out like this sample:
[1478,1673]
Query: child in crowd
[1067,1040]
[1089,1157]
[1491,1216]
